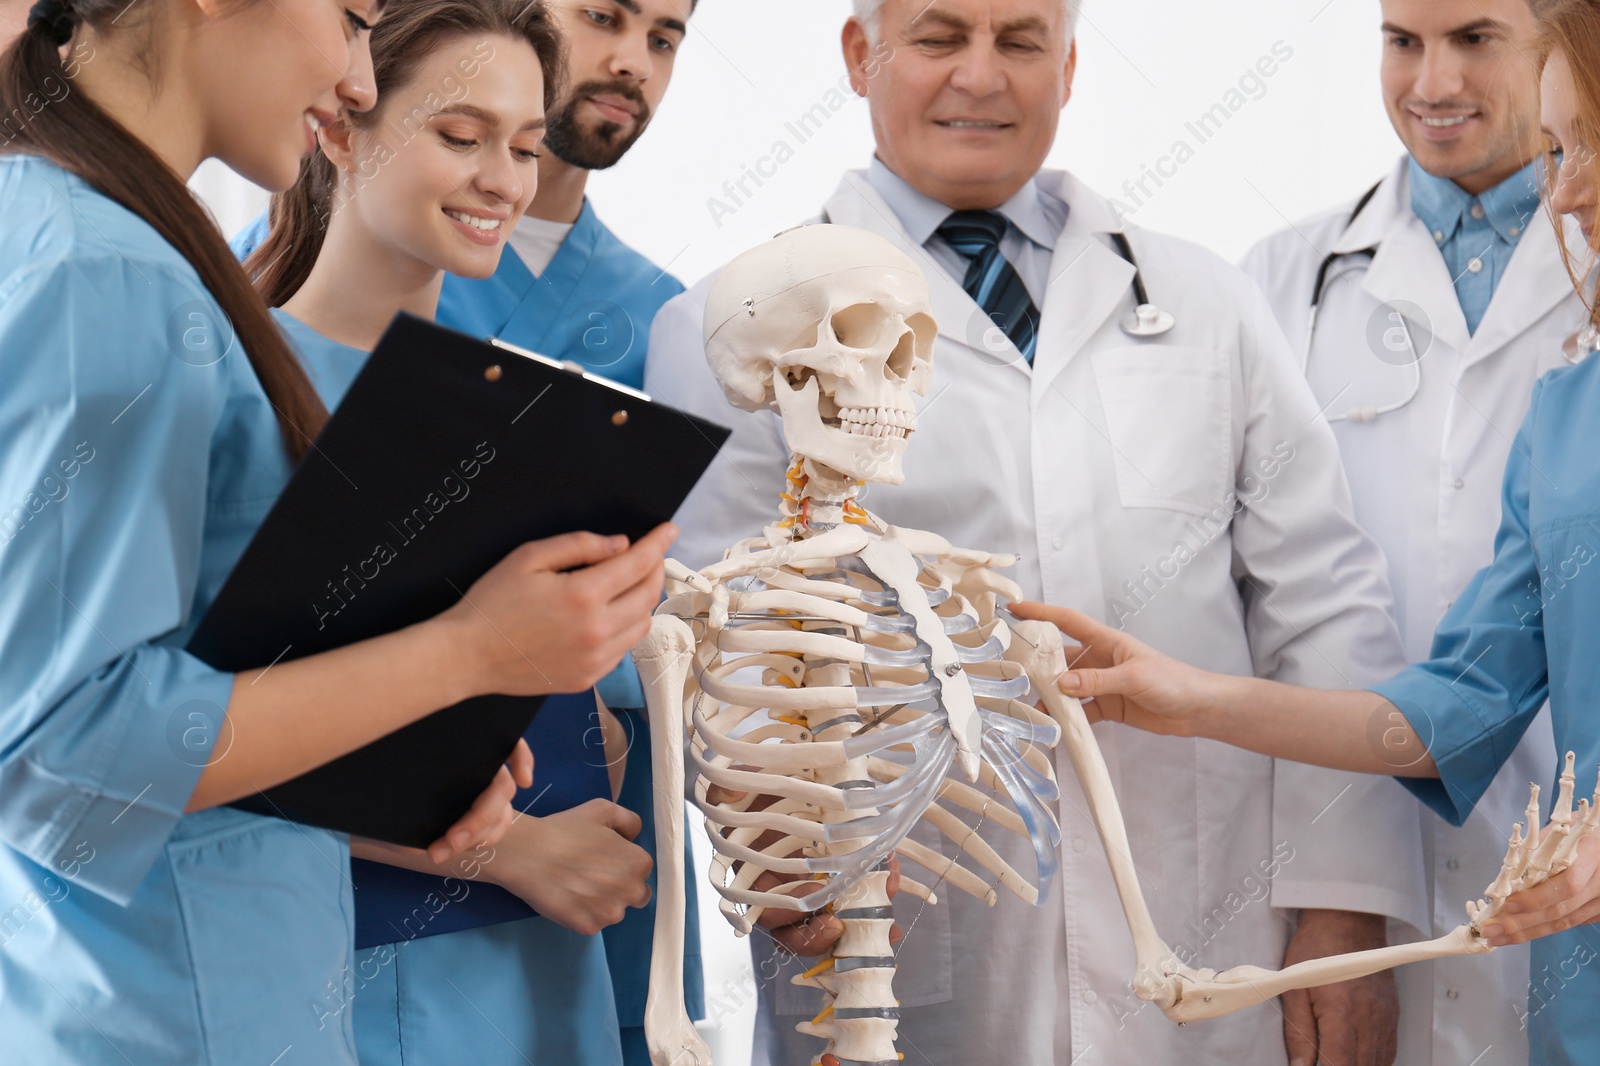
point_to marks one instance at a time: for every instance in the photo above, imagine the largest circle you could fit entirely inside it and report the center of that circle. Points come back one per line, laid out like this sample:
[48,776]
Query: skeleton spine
[860,1008]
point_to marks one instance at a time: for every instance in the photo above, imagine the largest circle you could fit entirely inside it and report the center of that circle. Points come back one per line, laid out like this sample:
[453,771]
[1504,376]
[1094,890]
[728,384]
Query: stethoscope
[1319,287]
[1146,319]
[1575,349]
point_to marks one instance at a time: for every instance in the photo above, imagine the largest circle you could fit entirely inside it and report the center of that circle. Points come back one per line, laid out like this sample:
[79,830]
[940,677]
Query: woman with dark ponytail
[150,413]
[494,958]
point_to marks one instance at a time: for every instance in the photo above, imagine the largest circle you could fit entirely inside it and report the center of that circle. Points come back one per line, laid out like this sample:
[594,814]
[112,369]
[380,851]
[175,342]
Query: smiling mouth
[488,225]
[971,124]
[1442,122]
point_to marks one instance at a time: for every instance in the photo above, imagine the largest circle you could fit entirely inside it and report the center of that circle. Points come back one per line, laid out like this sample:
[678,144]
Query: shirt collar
[1037,214]
[1442,205]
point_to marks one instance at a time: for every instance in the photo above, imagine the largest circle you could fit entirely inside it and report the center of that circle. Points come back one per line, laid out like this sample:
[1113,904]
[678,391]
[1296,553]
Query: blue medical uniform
[1527,628]
[593,305]
[138,454]
[456,971]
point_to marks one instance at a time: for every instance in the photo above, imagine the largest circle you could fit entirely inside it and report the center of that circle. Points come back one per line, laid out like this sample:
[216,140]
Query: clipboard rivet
[620,418]
[493,373]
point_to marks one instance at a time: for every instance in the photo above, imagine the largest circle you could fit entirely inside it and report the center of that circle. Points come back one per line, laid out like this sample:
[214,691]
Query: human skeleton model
[835,670]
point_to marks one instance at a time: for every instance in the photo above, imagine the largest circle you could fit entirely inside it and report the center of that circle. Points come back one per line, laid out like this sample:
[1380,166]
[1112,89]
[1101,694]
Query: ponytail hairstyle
[1572,27]
[410,31]
[77,135]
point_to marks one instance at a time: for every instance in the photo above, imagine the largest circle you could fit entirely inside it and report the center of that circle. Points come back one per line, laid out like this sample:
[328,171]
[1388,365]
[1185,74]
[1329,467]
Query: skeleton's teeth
[877,421]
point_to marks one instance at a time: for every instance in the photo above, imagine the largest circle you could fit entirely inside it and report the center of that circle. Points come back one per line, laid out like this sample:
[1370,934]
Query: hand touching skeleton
[862,678]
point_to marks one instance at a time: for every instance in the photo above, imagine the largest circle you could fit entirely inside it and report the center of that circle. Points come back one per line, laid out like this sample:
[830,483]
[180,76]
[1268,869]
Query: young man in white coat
[1452,242]
[1181,484]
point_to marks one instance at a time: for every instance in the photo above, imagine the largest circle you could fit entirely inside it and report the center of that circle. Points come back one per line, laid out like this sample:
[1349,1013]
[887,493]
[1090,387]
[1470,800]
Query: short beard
[603,146]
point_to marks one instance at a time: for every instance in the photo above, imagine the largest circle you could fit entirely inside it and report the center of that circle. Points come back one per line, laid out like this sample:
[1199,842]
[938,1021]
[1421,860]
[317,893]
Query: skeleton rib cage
[849,686]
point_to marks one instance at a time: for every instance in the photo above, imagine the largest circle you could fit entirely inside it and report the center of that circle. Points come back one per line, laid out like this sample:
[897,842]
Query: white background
[1316,136]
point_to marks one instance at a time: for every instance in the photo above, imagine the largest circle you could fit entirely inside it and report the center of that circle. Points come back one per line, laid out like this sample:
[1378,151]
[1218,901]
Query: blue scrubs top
[594,305]
[1526,628]
[138,454]
[393,904]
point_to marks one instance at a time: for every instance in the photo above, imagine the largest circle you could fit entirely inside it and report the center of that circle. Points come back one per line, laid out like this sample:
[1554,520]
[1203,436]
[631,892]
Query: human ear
[1072,67]
[336,140]
[857,53]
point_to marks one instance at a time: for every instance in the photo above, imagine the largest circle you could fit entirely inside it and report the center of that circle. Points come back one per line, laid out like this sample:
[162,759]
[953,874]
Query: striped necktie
[991,281]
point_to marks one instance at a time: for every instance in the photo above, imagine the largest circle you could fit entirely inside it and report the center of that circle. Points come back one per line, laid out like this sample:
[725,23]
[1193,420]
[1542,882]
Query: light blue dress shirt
[1036,218]
[1476,234]
[1526,628]
[138,455]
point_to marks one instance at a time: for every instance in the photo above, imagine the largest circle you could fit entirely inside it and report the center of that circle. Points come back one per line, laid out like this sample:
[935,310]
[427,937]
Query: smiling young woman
[431,182]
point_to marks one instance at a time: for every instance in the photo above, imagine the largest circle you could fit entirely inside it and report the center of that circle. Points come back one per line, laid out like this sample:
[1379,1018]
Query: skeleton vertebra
[836,668]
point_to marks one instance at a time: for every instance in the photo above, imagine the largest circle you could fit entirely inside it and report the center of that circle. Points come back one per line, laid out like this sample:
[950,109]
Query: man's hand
[1352,1023]
[798,932]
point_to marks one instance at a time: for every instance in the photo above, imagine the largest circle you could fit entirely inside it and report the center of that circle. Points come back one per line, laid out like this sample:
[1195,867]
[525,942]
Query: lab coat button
[1452,994]
[1453,864]
[1079,844]
[1475,266]
[1460,484]
[1089,997]
[1058,543]
[1477,210]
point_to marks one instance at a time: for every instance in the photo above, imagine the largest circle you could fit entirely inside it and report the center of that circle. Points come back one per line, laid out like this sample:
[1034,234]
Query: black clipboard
[446,453]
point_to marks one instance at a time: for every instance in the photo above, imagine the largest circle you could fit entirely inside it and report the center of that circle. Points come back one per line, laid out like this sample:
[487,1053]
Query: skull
[831,326]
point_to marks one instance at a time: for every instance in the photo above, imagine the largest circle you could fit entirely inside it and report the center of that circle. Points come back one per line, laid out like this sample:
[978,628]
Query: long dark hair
[78,136]
[409,31]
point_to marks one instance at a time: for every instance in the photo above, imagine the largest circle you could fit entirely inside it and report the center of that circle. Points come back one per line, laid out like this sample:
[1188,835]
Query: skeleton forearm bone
[1186,994]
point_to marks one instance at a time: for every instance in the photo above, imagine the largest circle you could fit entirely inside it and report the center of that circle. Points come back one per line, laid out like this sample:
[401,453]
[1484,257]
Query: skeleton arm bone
[1186,994]
[663,659]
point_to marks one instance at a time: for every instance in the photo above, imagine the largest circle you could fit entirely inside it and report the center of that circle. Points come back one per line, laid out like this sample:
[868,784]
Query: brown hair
[409,31]
[1572,27]
[78,136]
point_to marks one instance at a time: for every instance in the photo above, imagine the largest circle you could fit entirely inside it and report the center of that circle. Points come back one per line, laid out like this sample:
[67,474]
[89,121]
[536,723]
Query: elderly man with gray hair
[1140,437]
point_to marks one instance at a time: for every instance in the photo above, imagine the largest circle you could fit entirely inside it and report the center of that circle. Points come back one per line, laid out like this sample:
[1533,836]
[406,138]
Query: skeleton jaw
[858,450]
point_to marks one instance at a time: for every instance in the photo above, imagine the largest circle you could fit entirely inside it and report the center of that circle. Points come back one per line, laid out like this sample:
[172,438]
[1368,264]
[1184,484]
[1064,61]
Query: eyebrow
[1460,31]
[633,8]
[488,118]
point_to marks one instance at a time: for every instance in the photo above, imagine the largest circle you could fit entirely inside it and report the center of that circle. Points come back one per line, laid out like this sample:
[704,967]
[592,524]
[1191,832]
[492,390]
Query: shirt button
[1452,994]
[1453,864]
[1058,543]
[1515,231]
[1477,210]
[1079,844]
[1459,483]
[1438,236]
[1475,266]
[1089,997]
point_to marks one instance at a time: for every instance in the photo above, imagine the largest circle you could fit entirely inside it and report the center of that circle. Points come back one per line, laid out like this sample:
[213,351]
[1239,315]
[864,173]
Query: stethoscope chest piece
[1147,320]
[1581,344]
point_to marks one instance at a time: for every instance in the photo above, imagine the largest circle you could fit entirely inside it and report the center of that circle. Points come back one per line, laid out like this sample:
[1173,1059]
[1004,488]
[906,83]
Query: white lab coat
[1426,483]
[1093,465]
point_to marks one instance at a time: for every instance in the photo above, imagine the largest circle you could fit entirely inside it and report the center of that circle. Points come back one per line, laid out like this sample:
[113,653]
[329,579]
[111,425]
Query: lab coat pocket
[1168,422]
[269,925]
